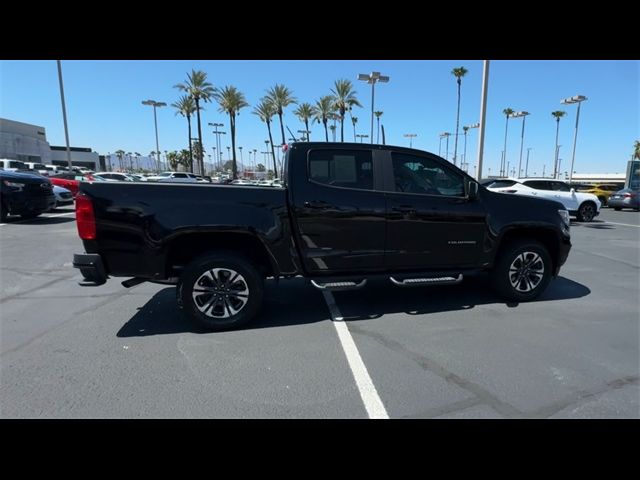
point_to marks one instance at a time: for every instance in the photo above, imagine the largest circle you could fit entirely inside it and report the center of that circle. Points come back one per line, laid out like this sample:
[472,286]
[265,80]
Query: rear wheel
[30,215]
[3,212]
[221,291]
[523,271]
[586,212]
[617,209]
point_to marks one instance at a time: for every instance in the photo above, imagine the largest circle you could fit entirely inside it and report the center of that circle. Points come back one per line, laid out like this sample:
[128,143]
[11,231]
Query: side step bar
[416,282]
[339,285]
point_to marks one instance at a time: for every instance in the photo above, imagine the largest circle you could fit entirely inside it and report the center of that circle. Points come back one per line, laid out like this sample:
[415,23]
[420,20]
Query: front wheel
[523,271]
[221,291]
[586,212]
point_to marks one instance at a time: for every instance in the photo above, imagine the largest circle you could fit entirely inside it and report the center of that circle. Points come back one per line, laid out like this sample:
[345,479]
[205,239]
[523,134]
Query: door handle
[404,209]
[320,204]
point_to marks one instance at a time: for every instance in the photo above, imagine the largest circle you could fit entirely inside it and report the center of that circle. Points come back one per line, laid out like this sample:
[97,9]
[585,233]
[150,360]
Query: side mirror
[473,190]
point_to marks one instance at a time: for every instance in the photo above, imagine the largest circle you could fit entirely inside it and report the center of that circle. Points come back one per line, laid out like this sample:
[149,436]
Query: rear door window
[342,168]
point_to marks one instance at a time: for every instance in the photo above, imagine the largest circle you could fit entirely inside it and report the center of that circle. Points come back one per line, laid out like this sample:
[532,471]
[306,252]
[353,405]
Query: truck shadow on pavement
[380,298]
[295,302]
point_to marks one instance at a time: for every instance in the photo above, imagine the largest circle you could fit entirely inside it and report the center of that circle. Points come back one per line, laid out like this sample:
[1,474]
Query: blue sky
[105,113]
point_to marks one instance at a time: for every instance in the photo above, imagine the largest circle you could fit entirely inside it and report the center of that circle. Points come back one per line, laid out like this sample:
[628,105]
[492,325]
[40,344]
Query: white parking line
[623,224]
[39,218]
[372,402]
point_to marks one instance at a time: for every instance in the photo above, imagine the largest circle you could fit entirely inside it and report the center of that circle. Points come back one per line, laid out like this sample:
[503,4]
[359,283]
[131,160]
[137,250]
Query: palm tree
[458,73]
[265,110]
[507,112]
[344,97]
[558,114]
[636,150]
[231,100]
[197,88]
[324,109]
[185,106]
[120,154]
[304,112]
[378,114]
[174,160]
[281,97]
[333,131]
[354,120]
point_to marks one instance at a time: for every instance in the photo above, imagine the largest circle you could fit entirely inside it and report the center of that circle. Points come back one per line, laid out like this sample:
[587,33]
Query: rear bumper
[91,268]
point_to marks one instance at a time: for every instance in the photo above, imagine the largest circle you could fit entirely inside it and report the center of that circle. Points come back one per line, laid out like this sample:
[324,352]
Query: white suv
[584,206]
[180,177]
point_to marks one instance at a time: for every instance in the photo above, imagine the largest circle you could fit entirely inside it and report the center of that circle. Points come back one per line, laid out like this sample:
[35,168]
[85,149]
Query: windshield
[165,174]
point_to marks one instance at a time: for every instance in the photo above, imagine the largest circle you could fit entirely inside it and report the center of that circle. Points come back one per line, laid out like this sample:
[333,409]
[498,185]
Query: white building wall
[22,141]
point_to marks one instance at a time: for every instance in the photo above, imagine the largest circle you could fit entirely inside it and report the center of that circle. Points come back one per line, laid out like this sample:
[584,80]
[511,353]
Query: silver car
[63,197]
[625,198]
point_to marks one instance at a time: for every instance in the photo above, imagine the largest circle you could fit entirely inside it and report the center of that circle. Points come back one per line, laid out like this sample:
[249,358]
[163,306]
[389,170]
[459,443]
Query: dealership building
[28,143]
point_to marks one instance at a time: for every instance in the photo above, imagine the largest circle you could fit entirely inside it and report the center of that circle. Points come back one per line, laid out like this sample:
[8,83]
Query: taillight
[510,191]
[629,195]
[85,217]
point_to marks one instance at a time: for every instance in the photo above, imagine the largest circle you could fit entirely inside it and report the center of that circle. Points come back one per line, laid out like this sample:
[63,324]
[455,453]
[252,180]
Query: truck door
[430,221]
[340,218]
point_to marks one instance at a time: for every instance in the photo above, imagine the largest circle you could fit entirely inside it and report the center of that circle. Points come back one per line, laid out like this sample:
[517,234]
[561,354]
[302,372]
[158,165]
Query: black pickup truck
[346,213]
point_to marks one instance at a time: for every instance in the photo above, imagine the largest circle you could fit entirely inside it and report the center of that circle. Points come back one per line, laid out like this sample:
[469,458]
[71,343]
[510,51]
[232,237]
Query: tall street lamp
[524,117]
[305,135]
[155,104]
[372,78]
[64,114]
[526,168]
[446,135]
[465,129]
[410,136]
[567,101]
[216,133]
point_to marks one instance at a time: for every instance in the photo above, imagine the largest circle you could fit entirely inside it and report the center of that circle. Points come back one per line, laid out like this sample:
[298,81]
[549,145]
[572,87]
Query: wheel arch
[548,237]
[185,247]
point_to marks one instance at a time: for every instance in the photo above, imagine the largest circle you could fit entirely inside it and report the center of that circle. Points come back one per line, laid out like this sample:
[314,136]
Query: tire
[3,213]
[587,212]
[508,266]
[29,216]
[617,209]
[207,295]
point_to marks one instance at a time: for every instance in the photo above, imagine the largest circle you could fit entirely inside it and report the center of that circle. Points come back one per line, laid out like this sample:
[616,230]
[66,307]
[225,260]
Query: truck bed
[137,222]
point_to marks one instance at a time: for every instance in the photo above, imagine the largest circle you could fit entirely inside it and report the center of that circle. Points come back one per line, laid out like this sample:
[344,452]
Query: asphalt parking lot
[439,352]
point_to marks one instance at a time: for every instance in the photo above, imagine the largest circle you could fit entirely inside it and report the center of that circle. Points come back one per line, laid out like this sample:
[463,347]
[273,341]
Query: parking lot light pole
[446,135]
[524,117]
[465,129]
[217,134]
[305,135]
[360,136]
[64,114]
[410,136]
[568,101]
[526,168]
[483,117]
[155,105]
[372,78]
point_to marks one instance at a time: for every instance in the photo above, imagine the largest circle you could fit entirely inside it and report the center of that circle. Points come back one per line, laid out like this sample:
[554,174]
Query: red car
[71,181]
